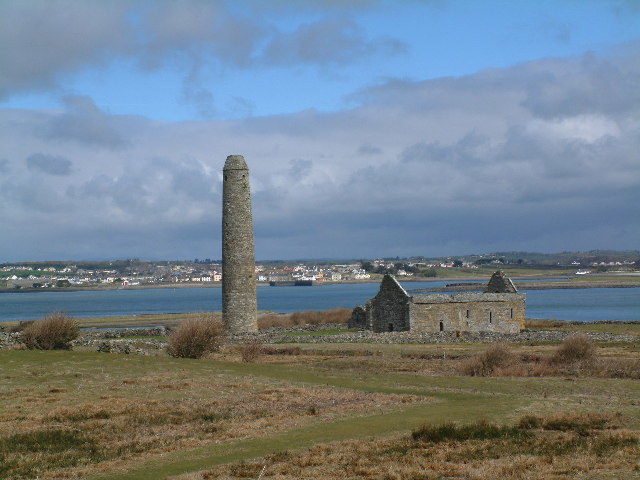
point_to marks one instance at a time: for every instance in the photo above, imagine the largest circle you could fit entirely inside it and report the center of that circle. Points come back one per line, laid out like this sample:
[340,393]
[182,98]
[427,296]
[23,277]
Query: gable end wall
[389,309]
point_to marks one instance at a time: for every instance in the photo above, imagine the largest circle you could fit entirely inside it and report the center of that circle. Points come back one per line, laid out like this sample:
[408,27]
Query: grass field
[321,333]
[109,416]
[617,328]
[150,320]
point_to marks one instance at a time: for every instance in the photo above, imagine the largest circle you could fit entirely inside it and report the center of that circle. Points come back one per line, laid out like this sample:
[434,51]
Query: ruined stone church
[500,308]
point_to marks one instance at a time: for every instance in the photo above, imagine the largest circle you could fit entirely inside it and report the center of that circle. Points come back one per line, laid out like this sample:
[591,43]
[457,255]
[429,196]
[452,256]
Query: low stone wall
[8,340]
[121,345]
[105,340]
[437,337]
[112,341]
[123,332]
[305,328]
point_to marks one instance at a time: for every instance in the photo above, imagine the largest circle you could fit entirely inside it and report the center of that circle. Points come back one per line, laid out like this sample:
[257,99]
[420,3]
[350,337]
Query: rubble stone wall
[468,312]
[388,311]
[358,318]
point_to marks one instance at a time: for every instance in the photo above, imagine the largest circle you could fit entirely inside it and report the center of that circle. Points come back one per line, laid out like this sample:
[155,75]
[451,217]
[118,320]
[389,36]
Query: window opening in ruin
[512,313]
[468,313]
[490,316]
[442,326]
[391,327]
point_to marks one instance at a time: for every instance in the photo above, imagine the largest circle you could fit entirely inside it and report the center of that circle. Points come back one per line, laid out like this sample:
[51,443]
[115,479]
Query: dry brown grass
[577,348]
[196,337]
[54,332]
[538,323]
[453,359]
[582,423]
[250,351]
[285,350]
[486,363]
[555,449]
[576,356]
[309,317]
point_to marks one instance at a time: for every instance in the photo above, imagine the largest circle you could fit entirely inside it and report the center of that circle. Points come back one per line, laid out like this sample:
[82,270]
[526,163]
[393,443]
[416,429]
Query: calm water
[587,304]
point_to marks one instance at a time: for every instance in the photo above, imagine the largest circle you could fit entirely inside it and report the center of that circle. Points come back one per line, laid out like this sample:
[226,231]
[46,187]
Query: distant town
[207,272]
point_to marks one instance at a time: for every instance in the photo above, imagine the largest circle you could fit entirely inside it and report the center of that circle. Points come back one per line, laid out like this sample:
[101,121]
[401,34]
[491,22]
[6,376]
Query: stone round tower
[239,302]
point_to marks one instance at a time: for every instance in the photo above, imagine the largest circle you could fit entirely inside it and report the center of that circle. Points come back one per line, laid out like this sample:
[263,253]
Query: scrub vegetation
[309,317]
[576,356]
[196,337]
[56,331]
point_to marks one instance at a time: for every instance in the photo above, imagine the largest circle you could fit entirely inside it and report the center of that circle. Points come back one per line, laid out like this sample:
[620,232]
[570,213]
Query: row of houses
[26,277]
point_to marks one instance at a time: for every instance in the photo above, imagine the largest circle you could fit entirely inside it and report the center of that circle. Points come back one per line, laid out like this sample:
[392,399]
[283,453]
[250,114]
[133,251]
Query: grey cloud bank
[44,41]
[540,156]
[48,164]
[84,123]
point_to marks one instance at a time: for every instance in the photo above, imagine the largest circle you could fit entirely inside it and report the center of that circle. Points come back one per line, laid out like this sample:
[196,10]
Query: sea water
[588,304]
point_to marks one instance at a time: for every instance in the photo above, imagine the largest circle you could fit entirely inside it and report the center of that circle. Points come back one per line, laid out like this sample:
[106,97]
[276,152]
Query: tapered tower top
[235,162]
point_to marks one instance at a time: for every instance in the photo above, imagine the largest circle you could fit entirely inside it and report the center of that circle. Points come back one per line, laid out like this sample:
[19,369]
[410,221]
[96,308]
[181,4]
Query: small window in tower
[391,327]
[490,317]
[441,326]
[468,313]
[512,313]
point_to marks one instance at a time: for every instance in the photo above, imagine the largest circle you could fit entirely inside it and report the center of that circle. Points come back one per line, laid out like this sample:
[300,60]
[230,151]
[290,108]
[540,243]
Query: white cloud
[589,128]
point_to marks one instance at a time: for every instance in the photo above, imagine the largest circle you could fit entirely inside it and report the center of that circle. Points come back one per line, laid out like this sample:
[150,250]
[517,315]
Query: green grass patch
[51,441]
[55,448]
[481,430]
[321,333]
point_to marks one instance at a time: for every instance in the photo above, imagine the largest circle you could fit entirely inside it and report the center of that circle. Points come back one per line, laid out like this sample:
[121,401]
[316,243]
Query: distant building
[279,277]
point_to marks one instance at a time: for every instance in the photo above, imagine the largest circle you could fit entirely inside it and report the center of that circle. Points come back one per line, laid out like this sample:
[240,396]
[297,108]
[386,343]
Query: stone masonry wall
[358,318]
[468,312]
[239,301]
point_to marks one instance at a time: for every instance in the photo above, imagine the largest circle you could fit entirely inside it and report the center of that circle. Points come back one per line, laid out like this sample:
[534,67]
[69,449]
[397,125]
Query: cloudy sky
[372,128]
